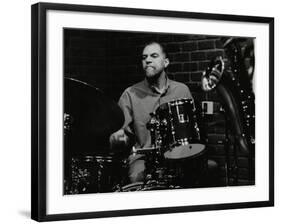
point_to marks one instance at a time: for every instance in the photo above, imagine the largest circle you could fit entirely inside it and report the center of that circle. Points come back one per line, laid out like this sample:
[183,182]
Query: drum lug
[164,124]
[117,188]
[182,120]
[183,141]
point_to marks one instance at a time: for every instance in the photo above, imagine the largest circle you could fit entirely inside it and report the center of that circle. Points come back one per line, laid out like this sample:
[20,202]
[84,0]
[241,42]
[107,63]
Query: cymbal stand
[154,159]
[230,168]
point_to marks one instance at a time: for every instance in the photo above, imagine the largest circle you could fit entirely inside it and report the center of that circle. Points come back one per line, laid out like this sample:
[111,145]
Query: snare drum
[178,130]
[149,186]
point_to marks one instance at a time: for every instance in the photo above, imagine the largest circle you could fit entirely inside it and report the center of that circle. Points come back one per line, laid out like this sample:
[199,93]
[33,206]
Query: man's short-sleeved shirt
[141,99]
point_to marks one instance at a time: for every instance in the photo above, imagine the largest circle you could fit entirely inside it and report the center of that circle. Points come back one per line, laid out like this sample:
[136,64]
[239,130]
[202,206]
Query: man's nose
[148,60]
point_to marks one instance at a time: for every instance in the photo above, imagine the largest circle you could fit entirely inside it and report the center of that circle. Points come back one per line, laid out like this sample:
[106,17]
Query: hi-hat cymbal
[90,118]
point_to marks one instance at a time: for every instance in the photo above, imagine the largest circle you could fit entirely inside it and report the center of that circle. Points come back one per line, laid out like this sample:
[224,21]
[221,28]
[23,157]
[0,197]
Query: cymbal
[90,118]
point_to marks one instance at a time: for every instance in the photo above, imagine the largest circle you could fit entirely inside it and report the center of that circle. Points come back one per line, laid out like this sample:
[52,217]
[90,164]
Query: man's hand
[118,137]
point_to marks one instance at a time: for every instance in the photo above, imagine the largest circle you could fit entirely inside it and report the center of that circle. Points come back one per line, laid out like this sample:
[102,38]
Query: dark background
[111,61]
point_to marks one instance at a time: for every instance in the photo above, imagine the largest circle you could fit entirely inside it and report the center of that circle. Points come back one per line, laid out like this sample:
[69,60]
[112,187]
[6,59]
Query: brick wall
[111,62]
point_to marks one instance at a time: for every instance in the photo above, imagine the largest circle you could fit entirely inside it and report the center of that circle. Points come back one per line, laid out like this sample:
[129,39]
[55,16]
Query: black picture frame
[39,110]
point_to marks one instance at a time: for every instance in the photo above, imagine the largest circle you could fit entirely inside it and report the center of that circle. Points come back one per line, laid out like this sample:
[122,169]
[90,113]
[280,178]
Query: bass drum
[150,186]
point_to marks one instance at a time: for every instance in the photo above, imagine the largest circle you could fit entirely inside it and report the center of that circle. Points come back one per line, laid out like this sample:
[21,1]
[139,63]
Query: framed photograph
[138,111]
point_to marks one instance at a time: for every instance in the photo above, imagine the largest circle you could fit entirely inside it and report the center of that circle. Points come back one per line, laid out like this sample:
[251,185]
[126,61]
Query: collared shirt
[141,99]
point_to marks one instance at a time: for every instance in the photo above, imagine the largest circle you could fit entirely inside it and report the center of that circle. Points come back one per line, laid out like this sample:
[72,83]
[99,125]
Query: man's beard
[153,78]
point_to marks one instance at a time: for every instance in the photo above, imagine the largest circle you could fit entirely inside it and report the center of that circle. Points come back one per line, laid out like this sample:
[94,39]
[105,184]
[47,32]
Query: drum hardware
[149,152]
[156,174]
[231,167]
[183,141]
[174,129]
[153,126]
[148,186]
[157,177]
[95,174]
[181,118]
[172,122]
[67,122]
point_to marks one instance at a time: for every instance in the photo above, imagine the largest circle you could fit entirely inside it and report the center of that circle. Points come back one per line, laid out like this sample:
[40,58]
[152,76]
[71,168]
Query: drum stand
[230,166]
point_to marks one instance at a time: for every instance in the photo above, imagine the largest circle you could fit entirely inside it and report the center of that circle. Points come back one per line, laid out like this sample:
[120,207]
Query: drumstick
[142,150]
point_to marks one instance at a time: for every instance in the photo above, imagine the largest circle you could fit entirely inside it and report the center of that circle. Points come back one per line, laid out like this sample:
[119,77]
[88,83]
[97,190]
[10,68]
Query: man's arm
[126,106]
[188,93]
[125,134]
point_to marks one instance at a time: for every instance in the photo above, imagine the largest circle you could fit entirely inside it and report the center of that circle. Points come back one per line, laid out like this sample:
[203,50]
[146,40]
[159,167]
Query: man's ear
[166,62]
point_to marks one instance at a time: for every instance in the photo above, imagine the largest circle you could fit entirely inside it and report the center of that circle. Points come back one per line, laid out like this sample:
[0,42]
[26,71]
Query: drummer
[139,100]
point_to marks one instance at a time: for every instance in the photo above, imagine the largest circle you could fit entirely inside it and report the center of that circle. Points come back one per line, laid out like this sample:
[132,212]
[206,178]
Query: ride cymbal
[89,118]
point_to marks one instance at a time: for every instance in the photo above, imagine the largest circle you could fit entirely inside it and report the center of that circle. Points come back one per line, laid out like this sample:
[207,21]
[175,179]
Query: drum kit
[176,159]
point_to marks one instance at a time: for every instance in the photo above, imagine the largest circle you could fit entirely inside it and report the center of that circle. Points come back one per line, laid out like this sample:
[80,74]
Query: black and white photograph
[141,112]
[156,111]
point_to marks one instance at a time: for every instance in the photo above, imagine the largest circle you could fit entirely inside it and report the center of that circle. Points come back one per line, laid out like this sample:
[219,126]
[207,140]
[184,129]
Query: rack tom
[178,132]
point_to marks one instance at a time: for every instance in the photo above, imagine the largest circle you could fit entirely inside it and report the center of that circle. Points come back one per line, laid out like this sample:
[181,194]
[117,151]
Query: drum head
[141,186]
[184,151]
